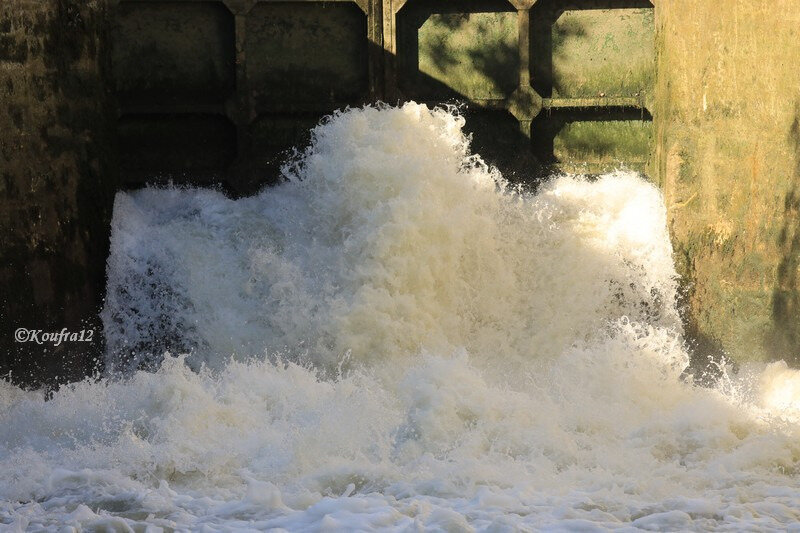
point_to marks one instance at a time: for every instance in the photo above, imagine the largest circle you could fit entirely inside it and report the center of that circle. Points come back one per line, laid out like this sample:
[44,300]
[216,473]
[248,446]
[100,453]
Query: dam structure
[107,95]
[399,265]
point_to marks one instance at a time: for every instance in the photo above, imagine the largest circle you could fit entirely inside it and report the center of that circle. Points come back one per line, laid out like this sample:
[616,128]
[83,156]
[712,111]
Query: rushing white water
[397,339]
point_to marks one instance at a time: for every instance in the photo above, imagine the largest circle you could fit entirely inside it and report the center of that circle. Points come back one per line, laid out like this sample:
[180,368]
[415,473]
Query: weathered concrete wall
[728,141]
[56,184]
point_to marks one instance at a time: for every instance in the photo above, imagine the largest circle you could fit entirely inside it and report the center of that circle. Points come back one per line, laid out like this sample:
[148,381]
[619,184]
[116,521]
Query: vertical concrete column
[375,52]
[56,185]
[728,148]
[525,103]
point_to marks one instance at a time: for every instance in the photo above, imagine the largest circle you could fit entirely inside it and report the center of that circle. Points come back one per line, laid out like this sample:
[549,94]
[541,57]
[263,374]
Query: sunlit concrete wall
[727,121]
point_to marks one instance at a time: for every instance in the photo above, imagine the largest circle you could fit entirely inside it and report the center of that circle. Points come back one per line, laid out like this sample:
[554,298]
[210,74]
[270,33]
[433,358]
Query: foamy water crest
[396,338]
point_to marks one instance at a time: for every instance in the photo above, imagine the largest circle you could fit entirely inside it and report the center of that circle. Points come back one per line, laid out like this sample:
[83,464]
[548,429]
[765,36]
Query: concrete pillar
[56,183]
[728,154]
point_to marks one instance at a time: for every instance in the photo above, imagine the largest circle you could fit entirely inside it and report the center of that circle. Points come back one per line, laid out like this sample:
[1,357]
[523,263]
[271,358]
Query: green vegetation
[474,54]
[603,51]
[598,146]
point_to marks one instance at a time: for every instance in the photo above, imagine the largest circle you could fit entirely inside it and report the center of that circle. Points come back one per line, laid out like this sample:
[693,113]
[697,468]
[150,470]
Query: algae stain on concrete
[784,337]
[306,52]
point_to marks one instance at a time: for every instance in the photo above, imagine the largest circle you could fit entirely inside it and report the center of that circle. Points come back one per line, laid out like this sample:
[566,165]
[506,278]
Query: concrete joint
[525,103]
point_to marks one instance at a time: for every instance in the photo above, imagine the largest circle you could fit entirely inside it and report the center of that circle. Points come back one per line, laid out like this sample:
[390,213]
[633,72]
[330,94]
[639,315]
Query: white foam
[397,339]
[387,239]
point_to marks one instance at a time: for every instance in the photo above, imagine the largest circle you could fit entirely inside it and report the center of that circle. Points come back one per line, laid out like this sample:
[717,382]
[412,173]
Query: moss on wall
[728,151]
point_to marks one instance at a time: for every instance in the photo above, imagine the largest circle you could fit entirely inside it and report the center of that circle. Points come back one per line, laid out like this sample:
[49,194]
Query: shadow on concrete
[784,339]
[152,156]
[242,162]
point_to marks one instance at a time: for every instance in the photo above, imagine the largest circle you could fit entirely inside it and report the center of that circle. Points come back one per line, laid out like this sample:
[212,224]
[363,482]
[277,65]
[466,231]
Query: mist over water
[396,338]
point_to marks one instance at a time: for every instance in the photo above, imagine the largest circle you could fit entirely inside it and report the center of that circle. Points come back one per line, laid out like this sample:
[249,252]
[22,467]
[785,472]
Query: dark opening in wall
[187,148]
[173,53]
[458,48]
[306,53]
[223,90]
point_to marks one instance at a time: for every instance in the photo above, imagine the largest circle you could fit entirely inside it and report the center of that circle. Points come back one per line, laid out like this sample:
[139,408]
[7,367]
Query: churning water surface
[395,338]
